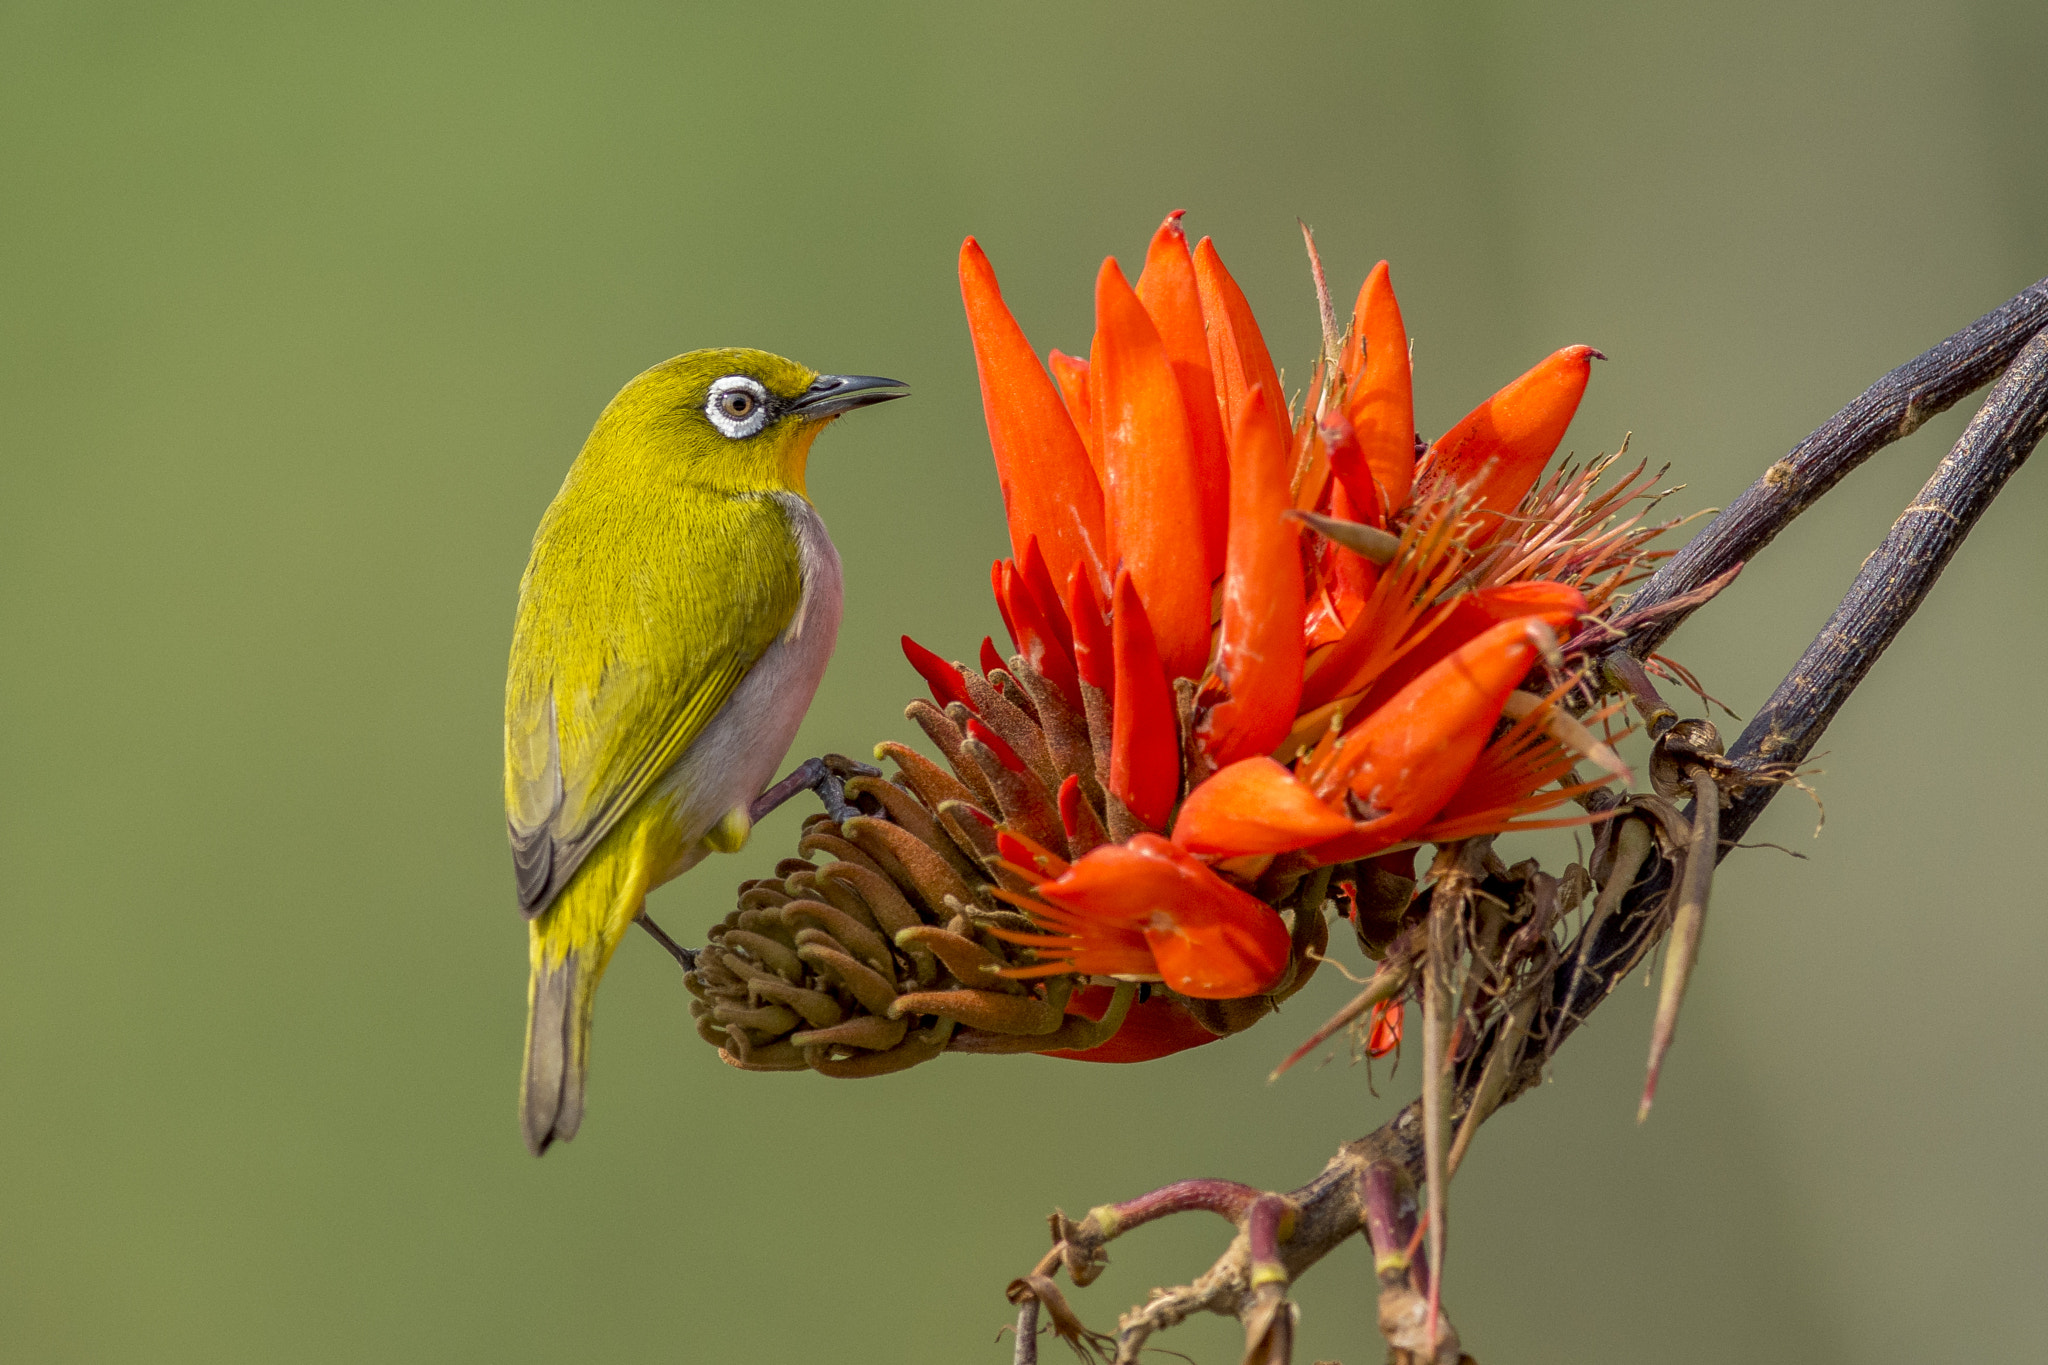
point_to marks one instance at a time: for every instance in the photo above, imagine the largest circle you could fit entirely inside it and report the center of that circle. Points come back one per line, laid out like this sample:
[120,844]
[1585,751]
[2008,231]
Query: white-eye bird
[674,621]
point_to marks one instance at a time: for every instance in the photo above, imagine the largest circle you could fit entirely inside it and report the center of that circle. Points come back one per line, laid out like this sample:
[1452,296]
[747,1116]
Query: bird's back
[633,630]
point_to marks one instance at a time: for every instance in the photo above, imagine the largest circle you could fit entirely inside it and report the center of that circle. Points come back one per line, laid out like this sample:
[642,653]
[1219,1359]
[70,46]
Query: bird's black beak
[831,394]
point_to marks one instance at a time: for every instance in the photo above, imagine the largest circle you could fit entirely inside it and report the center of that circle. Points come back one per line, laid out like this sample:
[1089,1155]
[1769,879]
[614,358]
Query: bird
[674,621]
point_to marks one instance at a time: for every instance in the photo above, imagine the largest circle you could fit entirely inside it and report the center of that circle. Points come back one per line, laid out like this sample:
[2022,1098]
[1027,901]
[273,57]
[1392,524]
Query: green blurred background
[305,314]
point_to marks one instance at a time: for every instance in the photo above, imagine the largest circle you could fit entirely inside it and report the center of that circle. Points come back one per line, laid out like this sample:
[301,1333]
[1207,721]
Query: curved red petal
[1070,373]
[1003,752]
[1094,653]
[1167,289]
[1498,451]
[943,678]
[1469,617]
[1385,1032]
[1039,580]
[1070,799]
[1256,682]
[1381,401]
[1408,757]
[1036,638]
[1144,756]
[1254,806]
[1347,462]
[1227,960]
[1150,479]
[1049,484]
[1209,939]
[1238,358]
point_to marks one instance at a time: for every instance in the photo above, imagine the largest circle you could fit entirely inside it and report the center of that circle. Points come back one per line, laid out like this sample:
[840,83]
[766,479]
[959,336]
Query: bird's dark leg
[826,776]
[676,950]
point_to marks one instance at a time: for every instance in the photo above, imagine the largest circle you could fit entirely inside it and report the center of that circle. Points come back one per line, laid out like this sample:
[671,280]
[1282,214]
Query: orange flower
[1146,909]
[1252,688]
[1498,451]
[1249,697]
[1255,806]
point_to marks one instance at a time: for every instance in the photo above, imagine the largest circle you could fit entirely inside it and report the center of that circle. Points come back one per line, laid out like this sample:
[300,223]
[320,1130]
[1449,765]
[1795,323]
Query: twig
[1893,407]
[1896,578]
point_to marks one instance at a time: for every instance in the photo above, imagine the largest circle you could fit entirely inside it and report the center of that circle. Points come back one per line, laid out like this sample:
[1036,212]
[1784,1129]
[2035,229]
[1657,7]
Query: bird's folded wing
[619,663]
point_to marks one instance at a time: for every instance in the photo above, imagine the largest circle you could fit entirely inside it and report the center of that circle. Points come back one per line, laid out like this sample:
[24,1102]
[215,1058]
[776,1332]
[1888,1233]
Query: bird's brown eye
[737,406]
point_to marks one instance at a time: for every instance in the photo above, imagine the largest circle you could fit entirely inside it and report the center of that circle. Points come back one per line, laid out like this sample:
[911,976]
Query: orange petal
[1237,352]
[1404,605]
[1167,289]
[1049,484]
[1512,779]
[1347,576]
[991,658]
[1499,450]
[1406,759]
[1156,1027]
[1347,462]
[1148,462]
[1256,682]
[1381,403]
[943,678]
[1070,372]
[1209,939]
[1470,617]
[1254,806]
[1144,754]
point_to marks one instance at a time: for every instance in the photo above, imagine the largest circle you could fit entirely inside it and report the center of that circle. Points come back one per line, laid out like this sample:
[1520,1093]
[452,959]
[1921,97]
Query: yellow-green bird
[674,621]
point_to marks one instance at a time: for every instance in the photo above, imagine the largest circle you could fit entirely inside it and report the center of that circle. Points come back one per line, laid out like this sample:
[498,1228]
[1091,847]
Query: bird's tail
[571,943]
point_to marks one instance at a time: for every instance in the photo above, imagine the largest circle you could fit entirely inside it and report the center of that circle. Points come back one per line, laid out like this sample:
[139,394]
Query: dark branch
[1893,407]
[1893,582]
[1896,579]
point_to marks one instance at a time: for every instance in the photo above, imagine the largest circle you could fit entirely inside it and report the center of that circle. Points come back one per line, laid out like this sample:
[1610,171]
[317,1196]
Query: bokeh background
[303,313]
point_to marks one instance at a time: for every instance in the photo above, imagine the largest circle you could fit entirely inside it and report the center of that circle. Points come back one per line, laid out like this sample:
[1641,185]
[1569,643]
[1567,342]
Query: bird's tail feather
[572,941]
[559,996]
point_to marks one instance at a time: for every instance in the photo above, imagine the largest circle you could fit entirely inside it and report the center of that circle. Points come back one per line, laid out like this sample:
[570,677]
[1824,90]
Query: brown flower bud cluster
[870,952]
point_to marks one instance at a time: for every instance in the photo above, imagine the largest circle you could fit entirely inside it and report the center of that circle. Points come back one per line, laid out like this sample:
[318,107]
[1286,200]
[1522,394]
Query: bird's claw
[826,776]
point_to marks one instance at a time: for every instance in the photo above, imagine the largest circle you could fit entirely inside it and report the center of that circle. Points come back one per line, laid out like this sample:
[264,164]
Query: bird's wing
[632,634]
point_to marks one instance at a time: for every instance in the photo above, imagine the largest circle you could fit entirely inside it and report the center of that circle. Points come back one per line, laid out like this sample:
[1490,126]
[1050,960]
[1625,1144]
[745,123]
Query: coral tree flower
[1250,687]
[1148,909]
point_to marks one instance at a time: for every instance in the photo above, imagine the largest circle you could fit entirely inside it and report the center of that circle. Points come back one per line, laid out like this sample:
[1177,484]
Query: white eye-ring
[738,406]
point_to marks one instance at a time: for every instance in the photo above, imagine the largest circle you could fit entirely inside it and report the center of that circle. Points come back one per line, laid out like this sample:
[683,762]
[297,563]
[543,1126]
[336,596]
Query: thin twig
[1896,578]
[1893,407]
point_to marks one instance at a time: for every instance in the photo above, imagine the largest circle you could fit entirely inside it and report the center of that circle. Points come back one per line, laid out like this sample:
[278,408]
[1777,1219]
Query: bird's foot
[826,776]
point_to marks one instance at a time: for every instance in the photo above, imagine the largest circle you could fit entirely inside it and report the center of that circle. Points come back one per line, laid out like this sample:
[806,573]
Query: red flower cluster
[1267,691]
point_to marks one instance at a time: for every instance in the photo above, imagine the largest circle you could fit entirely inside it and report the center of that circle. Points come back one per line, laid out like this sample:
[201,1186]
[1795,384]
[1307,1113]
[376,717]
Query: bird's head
[739,420]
